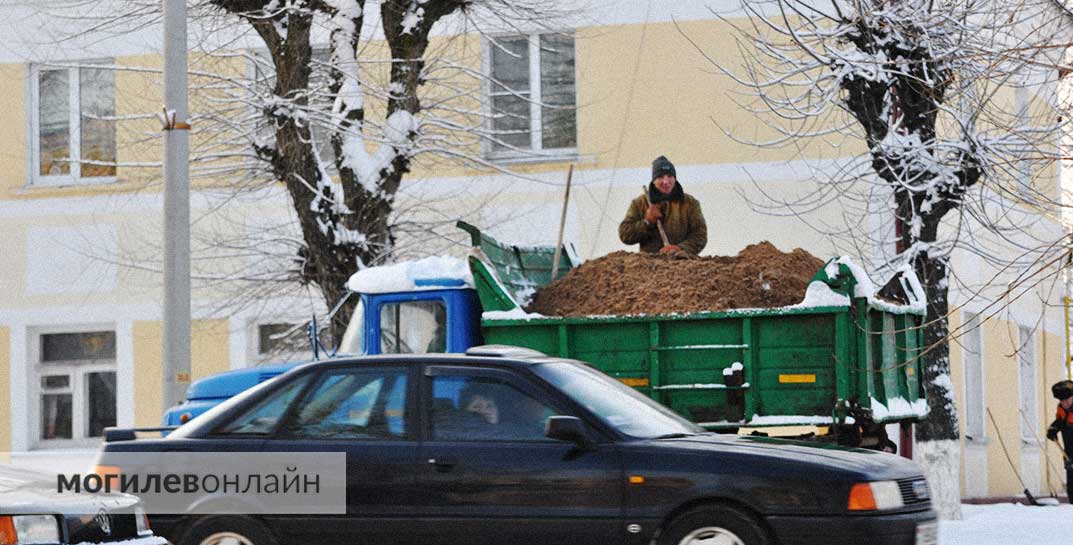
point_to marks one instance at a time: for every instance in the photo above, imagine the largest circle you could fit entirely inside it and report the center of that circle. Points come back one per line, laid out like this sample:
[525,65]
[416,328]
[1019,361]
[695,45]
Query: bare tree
[956,105]
[340,99]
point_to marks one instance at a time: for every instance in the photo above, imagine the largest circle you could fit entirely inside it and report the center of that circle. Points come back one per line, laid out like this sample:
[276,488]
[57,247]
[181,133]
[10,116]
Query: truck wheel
[714,526]
[227,530]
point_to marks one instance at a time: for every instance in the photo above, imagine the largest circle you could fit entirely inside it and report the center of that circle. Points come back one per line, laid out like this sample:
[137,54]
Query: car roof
[485,354]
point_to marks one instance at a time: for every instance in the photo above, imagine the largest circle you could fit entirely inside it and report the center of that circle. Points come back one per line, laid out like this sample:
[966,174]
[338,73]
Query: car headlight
[875,496]
[142,520]
[26,529]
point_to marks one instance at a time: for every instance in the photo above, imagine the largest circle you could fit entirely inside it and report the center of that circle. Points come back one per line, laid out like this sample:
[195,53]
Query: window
[972,346]
[353,404]
[279,341]
[76,385]
[474,408]
[262,418]
[413,327]
[532,96]
[73,120]
[1026,359]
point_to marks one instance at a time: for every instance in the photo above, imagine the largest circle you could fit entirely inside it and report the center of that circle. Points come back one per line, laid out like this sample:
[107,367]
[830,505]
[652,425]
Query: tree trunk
[938,445]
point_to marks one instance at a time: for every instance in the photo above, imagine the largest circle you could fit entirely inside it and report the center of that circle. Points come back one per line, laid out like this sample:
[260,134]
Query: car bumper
[895,529]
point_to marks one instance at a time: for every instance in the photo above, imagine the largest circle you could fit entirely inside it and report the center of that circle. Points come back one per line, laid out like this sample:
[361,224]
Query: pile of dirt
[632,283]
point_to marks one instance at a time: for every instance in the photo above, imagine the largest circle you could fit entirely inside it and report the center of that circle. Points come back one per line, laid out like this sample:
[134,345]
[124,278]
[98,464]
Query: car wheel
[227,531]
[714,526]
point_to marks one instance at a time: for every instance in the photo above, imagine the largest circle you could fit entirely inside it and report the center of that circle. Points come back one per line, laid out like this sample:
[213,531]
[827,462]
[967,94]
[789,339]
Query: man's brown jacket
[682,221]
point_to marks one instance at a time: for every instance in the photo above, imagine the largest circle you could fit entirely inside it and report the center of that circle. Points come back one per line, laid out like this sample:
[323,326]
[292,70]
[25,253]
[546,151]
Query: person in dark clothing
[679,212]
[1063,423]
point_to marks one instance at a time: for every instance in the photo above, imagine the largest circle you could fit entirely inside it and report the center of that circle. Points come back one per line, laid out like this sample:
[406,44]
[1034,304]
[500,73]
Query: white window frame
[77,369]
[74,177]
[974,401]
[537,152]
[259,358]
[1027,378]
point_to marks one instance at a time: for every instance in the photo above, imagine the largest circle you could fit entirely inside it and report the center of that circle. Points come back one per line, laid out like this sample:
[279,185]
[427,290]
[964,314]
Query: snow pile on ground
[430,273]
[1009,524]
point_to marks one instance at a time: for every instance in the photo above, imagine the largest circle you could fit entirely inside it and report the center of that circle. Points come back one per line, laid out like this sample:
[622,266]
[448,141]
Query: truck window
[413,327]
[352,341]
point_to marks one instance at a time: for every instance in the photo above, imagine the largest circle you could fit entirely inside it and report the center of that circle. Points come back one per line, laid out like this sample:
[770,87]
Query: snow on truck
[844,358]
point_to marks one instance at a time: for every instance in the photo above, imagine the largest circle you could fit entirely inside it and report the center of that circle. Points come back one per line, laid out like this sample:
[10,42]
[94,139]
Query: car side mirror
[569,428]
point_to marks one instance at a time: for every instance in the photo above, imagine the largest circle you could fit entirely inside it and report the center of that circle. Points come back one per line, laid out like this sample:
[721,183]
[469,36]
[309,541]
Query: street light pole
[176,207]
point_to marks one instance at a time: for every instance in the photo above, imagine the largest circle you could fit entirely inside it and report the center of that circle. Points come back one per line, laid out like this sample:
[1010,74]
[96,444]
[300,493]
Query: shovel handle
[659,223]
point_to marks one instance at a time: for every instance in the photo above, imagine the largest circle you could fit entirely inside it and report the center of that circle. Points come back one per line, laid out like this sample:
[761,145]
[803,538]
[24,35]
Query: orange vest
[1064,416]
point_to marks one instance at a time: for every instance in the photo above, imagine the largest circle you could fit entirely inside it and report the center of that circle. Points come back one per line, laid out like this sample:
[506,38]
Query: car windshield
[620,406]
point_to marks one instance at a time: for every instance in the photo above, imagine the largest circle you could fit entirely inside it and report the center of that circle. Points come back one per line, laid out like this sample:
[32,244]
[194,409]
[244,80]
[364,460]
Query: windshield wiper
[674,435]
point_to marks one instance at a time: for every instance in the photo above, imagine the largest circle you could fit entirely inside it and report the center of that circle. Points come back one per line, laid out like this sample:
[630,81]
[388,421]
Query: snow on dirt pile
[625,283]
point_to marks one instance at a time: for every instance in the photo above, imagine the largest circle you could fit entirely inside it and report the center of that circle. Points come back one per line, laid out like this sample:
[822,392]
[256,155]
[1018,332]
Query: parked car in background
[32,511]
[505,445]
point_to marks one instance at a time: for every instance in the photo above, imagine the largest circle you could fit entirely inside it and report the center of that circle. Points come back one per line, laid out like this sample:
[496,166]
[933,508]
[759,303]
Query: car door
[490,475]
[364,411]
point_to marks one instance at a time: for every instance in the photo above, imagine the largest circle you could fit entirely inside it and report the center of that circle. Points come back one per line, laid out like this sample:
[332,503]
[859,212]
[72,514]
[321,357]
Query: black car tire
[702,523]
[224,529]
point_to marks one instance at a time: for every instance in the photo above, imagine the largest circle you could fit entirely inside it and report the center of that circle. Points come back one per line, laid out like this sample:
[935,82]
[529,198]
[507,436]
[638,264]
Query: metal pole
[176,207]
[562,225]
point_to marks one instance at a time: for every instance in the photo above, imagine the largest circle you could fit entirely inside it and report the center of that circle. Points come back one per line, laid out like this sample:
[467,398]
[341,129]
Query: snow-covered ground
[1009,524]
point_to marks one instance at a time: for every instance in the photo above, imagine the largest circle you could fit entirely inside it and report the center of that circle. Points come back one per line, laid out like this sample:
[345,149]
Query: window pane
[1026,356]
[466,408]
[413,327]
[54,111]
[56,382]
[262,417]
[97,90]
[558,115]
[511,121]
[354,404]
[56,416]
[510,65]
[101,402]
[971,343]
[96,345]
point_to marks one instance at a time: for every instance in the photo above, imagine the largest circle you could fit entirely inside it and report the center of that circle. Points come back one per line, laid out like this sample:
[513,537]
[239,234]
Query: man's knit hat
[662,166]
[1062,389]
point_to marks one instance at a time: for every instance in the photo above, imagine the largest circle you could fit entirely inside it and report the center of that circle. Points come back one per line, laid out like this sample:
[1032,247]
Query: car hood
[28,492]
[867,464]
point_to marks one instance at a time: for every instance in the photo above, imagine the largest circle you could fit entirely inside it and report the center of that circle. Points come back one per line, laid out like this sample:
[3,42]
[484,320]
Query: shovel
[659,223]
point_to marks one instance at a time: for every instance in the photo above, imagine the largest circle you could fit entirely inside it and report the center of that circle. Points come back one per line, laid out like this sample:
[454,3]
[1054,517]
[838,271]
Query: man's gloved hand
[653,214]
[1052,433]
[670,249]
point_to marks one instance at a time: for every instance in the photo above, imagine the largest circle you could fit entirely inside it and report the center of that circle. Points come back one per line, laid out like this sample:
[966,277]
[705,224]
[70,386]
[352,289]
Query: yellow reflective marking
[635,382]
[797,379]
[637,479]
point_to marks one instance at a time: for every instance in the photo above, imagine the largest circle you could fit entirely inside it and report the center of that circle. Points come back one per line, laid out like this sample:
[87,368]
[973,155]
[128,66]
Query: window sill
[67,183]
[538,158]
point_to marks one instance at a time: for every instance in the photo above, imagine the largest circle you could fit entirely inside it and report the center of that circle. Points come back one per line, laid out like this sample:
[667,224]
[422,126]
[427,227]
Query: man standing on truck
[665,220]
[1063,422]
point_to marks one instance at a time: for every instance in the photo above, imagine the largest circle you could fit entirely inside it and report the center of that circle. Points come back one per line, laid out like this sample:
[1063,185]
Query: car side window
[263,416]
[477,408]
[366,403]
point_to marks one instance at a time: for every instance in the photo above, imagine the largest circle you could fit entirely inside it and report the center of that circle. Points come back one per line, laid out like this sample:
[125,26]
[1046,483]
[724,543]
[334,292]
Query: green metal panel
[796,361]
[520,270]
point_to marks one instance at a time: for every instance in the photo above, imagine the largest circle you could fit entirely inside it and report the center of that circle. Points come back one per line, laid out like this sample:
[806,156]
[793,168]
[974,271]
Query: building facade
[81,208]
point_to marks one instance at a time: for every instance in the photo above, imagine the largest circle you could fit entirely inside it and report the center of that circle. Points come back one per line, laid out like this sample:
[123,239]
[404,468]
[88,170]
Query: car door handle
[443,463]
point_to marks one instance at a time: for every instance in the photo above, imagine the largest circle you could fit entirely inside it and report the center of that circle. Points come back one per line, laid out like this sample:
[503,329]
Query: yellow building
[80,320]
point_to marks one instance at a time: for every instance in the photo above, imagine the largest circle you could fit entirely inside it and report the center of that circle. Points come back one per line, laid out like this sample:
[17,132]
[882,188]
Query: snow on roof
[430,273]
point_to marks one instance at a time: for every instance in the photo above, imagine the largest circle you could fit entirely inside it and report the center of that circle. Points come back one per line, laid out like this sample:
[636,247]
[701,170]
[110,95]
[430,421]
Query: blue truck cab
[444,316]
